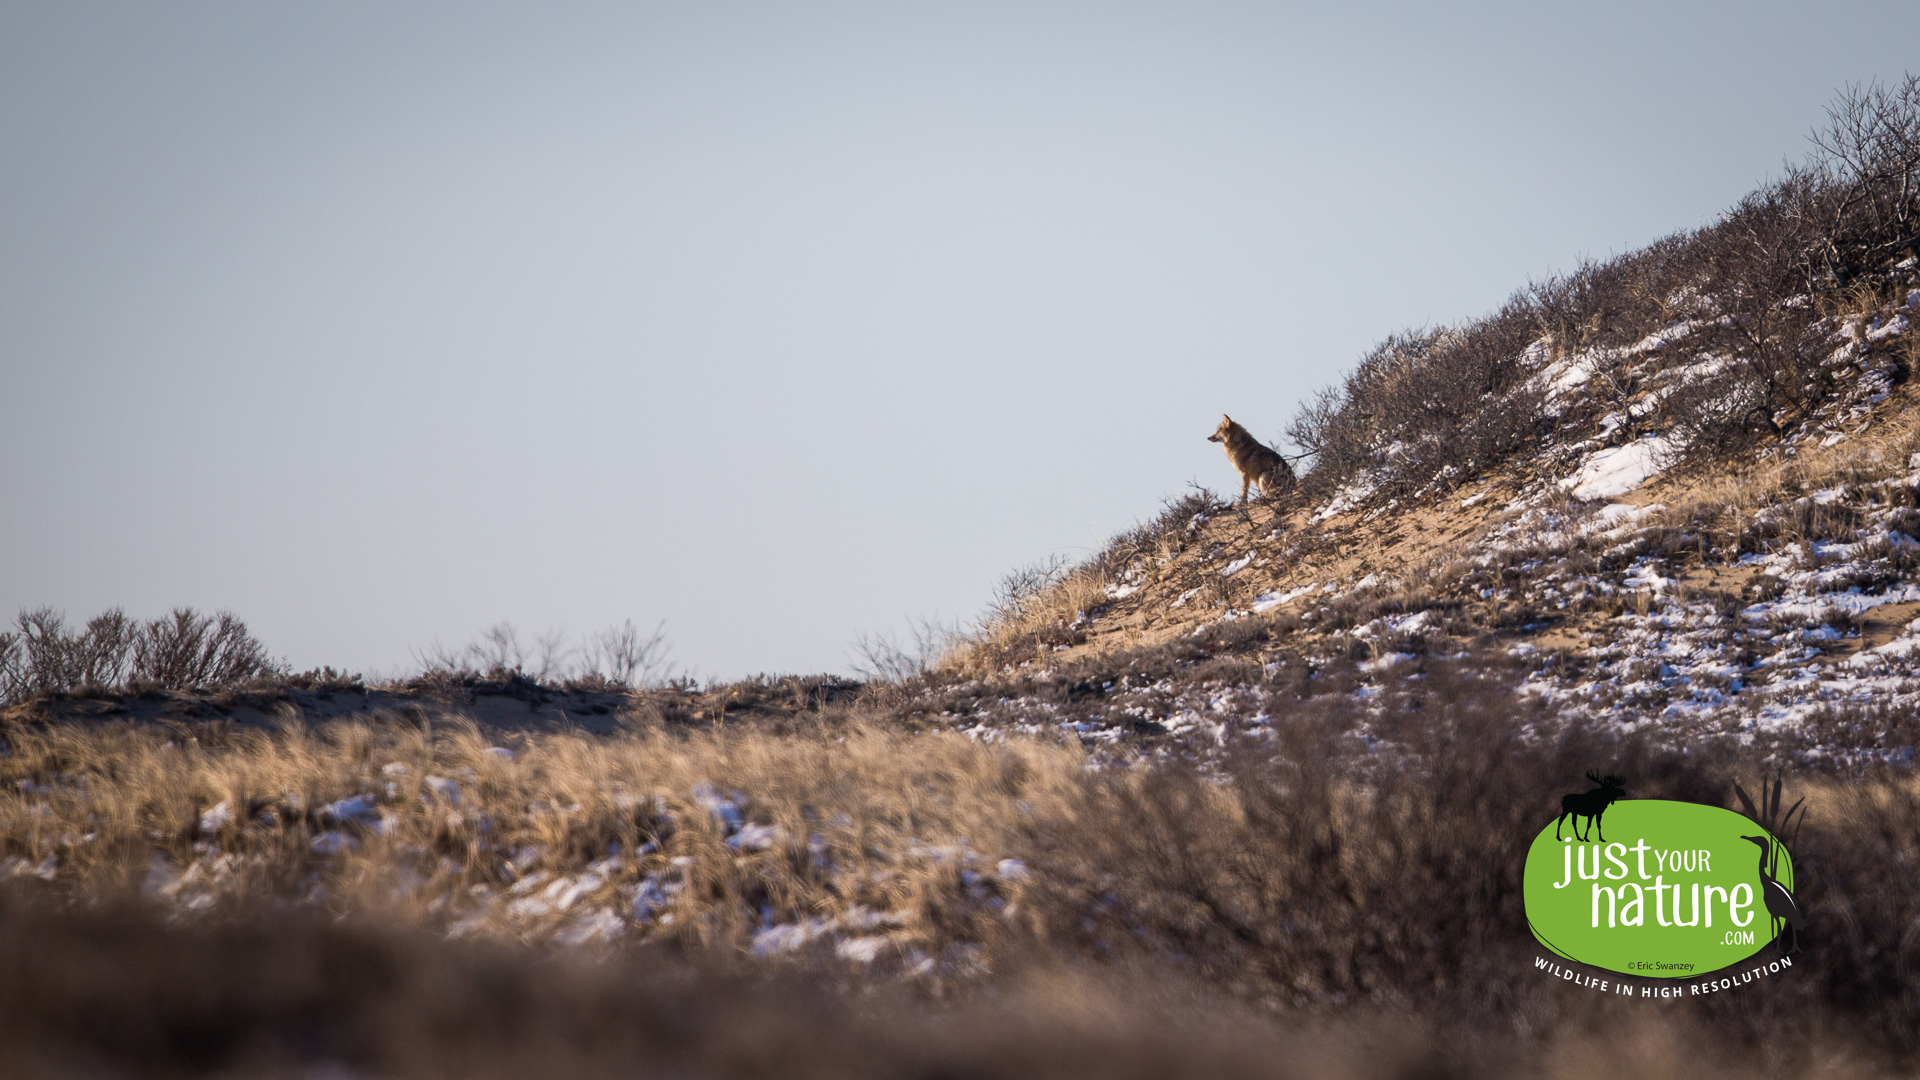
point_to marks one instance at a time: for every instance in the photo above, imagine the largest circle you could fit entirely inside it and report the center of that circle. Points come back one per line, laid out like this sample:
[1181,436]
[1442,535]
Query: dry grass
[1045,607]
[1364,891]
[452,831]
[1046,619]
[1717,507]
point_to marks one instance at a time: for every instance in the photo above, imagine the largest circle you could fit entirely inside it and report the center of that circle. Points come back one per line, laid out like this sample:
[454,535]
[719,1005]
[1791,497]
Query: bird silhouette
[1780,902]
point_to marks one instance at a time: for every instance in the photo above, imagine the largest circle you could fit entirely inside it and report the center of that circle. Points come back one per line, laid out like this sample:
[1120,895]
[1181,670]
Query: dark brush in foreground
[120,994]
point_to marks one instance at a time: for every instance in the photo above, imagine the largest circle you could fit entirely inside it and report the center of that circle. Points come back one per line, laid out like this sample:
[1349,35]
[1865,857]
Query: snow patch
[217,818]
[1268,601]
[1617,470]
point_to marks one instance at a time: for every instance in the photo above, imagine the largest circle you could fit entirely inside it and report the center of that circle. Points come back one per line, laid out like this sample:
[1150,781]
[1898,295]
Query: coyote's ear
[1224,418]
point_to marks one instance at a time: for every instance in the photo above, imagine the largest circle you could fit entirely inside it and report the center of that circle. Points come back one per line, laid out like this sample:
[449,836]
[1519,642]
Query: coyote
[1258,463]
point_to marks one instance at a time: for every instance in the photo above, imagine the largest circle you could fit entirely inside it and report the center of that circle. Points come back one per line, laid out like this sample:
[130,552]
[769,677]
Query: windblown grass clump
[1045,606]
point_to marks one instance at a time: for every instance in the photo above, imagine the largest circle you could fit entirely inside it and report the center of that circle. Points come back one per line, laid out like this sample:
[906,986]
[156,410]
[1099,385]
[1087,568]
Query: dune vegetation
[1247,793]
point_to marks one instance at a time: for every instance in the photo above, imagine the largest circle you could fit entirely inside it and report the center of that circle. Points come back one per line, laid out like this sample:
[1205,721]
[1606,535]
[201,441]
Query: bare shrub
[1435,406]
[1870,147]
[620,656]
[105,653]
[186,649]
[885,658]
[13,667]
[51,653]
[1427,406]
[183,650]
[617,658]
[498,652]
[1770,373]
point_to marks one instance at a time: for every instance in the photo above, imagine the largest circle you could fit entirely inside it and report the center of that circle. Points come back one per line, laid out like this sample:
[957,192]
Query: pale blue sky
[381,323]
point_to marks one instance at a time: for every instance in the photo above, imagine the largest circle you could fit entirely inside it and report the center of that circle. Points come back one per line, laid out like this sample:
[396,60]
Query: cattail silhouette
[1779,899]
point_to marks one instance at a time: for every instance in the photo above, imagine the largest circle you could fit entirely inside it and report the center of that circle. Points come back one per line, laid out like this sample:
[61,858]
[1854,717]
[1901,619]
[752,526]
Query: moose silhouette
[1590,805]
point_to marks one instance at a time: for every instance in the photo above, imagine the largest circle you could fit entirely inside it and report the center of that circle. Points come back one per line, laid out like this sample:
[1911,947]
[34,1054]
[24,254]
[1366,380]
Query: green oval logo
[1675,890]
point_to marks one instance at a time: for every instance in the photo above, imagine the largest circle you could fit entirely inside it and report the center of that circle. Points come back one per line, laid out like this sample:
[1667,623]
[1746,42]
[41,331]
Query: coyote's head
[1226,428]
